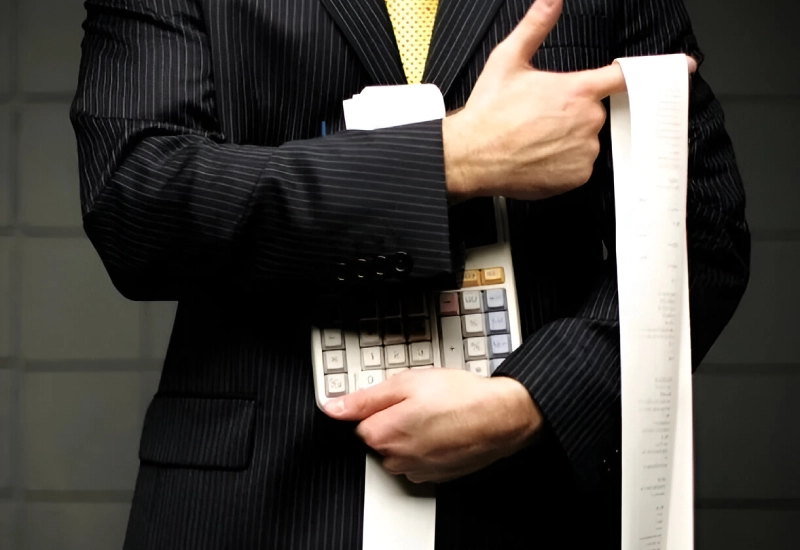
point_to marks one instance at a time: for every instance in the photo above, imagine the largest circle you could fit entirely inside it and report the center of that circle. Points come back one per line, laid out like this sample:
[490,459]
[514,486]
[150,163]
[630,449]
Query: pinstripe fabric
[203,181]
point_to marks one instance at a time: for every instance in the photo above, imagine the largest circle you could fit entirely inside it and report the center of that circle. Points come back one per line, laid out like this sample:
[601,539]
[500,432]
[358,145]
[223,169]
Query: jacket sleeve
[572,365]
[175,209]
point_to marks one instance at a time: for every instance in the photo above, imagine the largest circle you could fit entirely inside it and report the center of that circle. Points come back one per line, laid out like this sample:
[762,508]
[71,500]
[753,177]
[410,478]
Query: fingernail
[334,407]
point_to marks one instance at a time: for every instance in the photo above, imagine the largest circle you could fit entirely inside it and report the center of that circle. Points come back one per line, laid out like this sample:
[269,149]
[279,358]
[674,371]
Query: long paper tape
[649,129]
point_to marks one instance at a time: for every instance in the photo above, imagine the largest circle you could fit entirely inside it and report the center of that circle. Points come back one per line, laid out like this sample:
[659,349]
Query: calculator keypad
[394,335]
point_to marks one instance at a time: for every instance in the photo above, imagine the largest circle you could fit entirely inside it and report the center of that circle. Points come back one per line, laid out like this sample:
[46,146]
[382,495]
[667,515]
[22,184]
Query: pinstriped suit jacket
[203,181]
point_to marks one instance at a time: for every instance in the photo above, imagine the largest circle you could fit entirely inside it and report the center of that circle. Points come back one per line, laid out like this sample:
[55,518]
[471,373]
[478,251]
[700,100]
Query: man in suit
[204,180]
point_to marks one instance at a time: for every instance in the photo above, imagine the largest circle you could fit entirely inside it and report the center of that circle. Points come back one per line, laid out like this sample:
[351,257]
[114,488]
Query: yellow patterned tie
[412,21]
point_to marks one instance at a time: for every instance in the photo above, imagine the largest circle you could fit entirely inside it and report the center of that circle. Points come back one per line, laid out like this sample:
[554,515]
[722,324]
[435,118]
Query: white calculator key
[394,372]
[471,302]
[497,321]
[370,335]
[332,338]
[495,299]
[335,385]
[500,345]
[452,343]
[475,348]
[334,361]
[472,325]
[422,367]
[494,364]
[396,356]
[481,368]
[372,358]
[367,379]
[421,353]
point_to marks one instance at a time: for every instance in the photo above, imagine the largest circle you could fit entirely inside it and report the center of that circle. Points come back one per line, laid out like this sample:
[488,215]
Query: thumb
[364,403]
[525,40]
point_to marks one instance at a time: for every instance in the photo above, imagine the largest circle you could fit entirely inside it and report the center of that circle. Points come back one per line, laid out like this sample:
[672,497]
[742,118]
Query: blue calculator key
[499,345]
[495,299]
[494,364]
[497,321]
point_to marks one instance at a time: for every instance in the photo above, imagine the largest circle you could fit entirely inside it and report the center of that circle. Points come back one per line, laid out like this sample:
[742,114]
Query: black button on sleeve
[403,264]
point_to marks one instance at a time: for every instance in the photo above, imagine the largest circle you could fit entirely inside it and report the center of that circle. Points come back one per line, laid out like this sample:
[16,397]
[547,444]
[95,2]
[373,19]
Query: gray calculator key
[332,339]
[390,307]
[495,299]
[393,332]
[494,364]
[366,309]
[473,325]
[481,368]
[499,345]
[367,379]
[416,305]
[419,329]
[452,347]
[396,356]
[335,385]
[372,358]
[475,348]
[497,322]
[471,302]
[370,334]
[421,353]
[334,361]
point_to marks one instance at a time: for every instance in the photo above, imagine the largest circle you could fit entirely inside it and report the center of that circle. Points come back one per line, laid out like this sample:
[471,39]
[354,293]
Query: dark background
[78,363]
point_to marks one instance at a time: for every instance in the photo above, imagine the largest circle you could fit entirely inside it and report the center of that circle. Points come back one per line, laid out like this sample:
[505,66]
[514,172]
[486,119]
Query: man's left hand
[436,425]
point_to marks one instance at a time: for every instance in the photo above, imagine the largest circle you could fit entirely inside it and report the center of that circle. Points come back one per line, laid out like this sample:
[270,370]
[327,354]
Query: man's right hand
[525,133]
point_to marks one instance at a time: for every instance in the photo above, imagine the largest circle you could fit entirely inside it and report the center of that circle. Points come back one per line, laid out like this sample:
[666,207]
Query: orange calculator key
[493,276]
[472,277]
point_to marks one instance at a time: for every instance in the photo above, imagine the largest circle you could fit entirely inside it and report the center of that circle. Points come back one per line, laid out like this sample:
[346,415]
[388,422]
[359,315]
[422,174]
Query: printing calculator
[472,328]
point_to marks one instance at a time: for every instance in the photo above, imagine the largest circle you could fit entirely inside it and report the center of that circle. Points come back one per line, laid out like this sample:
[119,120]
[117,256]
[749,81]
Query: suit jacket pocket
[199,432]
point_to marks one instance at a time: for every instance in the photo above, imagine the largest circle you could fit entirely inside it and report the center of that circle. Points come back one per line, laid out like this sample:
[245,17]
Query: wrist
[524,418]
[459,179]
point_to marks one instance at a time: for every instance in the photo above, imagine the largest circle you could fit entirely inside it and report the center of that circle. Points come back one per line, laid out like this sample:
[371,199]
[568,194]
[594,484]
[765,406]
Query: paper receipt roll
[649,127]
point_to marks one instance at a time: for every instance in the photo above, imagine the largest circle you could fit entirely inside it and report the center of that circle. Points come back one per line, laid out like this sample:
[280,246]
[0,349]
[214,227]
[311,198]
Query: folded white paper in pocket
[386,106]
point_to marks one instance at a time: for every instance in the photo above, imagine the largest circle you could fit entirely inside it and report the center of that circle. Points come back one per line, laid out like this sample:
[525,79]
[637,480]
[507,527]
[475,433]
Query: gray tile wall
[78,364]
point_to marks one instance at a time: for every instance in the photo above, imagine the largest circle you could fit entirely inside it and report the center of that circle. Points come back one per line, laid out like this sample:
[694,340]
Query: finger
[692,64]
[379,431]
[364,403]
[606,81]
[527,38]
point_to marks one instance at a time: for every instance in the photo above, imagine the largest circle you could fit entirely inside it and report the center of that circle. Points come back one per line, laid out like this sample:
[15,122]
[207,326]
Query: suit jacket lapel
[460,27]
[367,26]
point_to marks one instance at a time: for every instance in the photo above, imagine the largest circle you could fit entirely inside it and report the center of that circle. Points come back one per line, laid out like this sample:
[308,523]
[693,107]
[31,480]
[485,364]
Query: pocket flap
[199,432]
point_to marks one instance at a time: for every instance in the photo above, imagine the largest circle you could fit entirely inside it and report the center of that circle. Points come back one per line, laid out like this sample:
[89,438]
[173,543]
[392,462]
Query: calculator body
[471,328]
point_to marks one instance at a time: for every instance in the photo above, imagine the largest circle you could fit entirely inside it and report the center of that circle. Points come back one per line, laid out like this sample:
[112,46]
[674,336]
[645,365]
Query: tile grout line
[15,282]
[763,369]
[78,496]
[742,504]
[110,366]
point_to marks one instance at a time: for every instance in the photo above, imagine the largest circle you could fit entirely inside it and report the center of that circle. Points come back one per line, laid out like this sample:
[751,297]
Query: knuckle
[599,115]
[594,149]
[367,432]
[416,478]
[394,466]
